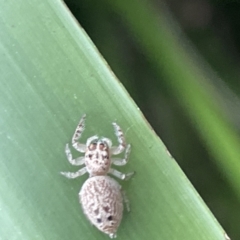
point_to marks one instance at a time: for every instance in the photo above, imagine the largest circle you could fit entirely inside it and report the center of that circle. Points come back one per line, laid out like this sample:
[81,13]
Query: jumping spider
[101,196]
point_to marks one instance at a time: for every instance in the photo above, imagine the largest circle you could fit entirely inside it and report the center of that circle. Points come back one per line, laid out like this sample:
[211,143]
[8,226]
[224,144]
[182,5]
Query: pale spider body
[101,196]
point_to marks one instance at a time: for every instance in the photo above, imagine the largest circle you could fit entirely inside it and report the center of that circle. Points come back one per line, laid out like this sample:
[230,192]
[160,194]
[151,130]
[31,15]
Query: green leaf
[51,75]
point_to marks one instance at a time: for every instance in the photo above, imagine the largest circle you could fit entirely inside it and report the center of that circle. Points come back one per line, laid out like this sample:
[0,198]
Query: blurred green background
[211,32]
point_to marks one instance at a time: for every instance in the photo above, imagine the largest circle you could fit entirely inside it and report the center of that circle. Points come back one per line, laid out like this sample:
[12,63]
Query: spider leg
[121,162]
[121,140]
[120,175]
[77,134]
[71,175]
[125,200]
[78,161]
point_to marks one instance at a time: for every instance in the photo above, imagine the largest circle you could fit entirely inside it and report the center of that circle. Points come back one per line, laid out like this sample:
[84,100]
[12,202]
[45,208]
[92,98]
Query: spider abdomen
[102,203]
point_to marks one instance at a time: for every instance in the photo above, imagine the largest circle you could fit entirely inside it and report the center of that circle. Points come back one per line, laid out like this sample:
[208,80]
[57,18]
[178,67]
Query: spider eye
[93,146]
[110,218]
[102,146]
[90,155]
[99,220]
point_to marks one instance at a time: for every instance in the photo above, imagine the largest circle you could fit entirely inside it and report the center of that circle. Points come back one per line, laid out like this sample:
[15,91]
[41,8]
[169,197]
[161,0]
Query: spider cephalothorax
[97,156]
